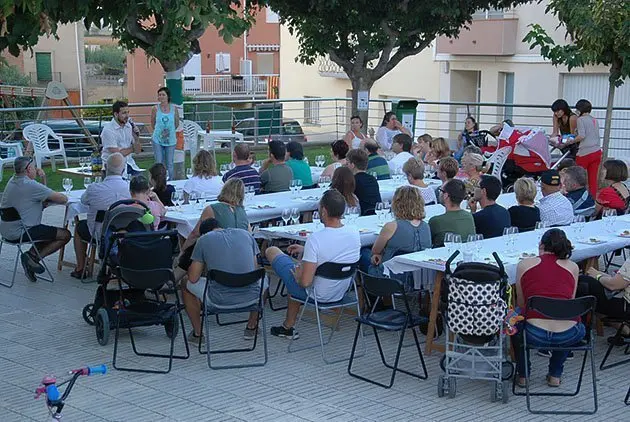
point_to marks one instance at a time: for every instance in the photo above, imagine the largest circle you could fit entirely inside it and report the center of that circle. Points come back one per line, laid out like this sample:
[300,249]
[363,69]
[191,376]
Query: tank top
[547,279]
[164,131]
[230,217]
[407,238]
[565,129]
[356,141]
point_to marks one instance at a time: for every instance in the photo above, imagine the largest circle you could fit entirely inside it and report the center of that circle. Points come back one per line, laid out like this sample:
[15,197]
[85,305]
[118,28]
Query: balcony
[327,67]
[230,86]
[486,37]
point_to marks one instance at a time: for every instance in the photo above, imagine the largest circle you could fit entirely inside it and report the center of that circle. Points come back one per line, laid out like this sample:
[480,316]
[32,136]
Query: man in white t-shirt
[121,135]
[402,147]
[335,243]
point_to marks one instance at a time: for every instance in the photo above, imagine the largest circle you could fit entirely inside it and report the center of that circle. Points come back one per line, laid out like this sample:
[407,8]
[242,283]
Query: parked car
[255,132]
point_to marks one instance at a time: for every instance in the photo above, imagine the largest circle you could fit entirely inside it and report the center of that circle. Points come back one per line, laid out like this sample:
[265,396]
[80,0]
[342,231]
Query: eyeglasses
[30,161]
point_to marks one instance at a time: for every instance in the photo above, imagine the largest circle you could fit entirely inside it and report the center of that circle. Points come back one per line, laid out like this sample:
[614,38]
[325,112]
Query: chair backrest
[146,258]
[9,214]
[381,286]
[562,309]
[336,271]
[191,134]
[37,134]
[236,280]
[498,160]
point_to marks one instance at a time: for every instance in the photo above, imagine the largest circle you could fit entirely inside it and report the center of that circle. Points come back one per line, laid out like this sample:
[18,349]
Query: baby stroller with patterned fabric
[474,304]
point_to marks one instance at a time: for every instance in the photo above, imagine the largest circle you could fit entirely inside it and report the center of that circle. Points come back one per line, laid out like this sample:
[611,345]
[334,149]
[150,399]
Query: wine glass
[448,242]
[67,185]
[305,159]
[609,216]
[98,179]
[286,216]
[87,181]
[324,182]
[579,221]
[509,234]
[293,187]
[374,175]
[476,239]
[387,208]
[298,186]
[456,242]
[189,173]
[316,220]
[295,216]
[223,169]
[378,210]
[320,161]
[256,165]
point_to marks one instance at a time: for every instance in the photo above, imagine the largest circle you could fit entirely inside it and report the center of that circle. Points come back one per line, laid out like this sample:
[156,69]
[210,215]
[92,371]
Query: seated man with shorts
[29,198]
[335,243]
[230,250]
[98,197]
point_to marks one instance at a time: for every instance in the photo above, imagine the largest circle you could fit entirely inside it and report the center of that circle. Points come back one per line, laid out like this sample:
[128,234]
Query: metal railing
[261,120]
[227,85]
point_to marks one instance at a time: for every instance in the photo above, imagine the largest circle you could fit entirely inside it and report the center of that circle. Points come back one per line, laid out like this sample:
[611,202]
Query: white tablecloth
[525,242]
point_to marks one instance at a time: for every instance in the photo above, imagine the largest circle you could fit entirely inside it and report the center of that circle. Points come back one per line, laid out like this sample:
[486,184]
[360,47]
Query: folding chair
[12,215]
[388,320]
[146,264]
[331,271]
[250,303]
[92,247]
[617,337]
[563,309]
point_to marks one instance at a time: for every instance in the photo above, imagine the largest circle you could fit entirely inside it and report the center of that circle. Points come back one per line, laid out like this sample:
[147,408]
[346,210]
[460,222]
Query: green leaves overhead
[167,30]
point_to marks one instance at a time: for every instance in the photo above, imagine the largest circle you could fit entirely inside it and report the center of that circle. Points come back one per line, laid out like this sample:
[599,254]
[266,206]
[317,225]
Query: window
[43,66]
[222,62]
[311,111]
[508,94]
[272,17]
[264,63]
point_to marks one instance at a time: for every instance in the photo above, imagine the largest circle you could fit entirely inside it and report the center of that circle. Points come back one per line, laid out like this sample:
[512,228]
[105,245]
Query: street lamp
[121,81]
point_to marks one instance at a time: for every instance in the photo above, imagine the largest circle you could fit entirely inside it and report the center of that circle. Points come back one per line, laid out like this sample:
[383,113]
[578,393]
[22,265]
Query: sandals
[553,381]
[79,274]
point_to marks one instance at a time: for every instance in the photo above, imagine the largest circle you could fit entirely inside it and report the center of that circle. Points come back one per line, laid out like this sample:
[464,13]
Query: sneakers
[192,338]
[32,263]
[30,274]
[281,331]
[250,333]
[547,354]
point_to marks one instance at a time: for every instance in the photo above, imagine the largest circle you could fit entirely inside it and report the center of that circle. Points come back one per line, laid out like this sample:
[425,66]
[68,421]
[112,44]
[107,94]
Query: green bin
[405,111]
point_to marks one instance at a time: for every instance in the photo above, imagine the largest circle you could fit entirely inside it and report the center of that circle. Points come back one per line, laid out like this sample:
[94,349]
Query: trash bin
[405,111]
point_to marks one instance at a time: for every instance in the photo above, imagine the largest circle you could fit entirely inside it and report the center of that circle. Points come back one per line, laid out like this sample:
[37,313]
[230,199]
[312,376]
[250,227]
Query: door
[43,66]
[594,87]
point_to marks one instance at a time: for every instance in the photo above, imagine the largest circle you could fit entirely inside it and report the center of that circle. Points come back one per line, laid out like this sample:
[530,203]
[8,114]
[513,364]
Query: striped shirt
[378,165]
[248,175]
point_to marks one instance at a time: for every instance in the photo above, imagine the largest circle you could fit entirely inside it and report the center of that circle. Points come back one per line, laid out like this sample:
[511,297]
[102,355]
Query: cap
[551,178]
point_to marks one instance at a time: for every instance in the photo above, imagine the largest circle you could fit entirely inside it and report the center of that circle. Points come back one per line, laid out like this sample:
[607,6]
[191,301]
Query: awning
[263,47]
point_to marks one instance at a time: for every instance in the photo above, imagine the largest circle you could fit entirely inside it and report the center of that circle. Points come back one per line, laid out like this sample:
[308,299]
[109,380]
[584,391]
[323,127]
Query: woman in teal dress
[165,120]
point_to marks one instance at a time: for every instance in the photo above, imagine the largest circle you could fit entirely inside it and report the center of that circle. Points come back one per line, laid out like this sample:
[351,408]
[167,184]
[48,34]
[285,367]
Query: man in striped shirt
[243,169]
[376,163]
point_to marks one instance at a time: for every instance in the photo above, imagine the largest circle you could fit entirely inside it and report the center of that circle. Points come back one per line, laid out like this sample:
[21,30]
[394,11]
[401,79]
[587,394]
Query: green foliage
[598,32]
[104,113]
[11,75]
[108,55]
[166,30]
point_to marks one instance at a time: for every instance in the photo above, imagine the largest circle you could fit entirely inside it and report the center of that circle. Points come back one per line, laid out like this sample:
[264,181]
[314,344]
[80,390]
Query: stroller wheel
[101,325]
[87,313]
[440,386]
[172,327]
[452,387]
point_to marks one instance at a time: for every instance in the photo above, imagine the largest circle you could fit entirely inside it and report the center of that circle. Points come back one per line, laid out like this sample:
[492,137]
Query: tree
[599,34]
[368,38]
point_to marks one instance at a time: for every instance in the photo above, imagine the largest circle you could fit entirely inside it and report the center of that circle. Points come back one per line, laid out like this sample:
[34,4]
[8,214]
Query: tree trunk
[360,83]
[608,120]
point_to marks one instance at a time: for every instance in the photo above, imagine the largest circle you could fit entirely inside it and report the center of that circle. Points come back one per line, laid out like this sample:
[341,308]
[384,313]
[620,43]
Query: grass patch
[223,157]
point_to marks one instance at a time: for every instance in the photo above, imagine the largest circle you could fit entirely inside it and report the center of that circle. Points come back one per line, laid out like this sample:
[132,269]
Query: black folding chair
[146,264]
[391,320]
[331,271]
[12,215]
[563,309]
[617,339]
[250,303]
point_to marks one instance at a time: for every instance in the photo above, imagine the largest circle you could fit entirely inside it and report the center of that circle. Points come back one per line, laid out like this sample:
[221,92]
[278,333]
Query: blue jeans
[540,338]
[283,265]
[165,155]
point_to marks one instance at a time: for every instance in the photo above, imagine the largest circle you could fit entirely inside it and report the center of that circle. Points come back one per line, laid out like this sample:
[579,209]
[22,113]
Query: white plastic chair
[37,134]
[17,146]
[497,160]
[191,137]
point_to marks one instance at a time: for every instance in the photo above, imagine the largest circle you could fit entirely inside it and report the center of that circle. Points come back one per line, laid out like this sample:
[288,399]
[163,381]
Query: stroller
[475,297]
[139,261]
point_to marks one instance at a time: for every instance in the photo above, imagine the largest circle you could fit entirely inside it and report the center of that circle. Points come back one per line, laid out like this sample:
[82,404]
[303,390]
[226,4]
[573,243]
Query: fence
[321,119]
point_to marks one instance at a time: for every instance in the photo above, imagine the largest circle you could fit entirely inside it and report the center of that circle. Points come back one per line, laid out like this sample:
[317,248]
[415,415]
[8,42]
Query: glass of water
[67,184]
[295,216]
[87,181]
[189,173]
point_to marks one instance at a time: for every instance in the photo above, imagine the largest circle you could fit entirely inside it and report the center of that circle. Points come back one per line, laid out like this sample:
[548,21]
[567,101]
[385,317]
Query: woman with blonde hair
[229,211]
[472,167]
[407,233]
[205,179]
[343,181]
[414,170]
[525,215]
[438,149]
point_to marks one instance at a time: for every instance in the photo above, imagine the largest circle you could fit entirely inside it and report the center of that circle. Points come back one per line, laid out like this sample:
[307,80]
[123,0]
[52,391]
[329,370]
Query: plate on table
[309,198]
[525,255]
[592,241]
[364,231]
[625,233]
[263,206]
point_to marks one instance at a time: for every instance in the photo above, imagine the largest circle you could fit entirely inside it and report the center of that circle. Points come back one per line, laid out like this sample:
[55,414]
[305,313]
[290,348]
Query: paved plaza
[42,332]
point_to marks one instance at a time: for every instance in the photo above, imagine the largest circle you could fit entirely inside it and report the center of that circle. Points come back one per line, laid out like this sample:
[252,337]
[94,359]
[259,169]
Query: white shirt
[384,137]
[428,194]
[114,135]
[339,245]
[555,210]
[99,196]
[210,186]
[398,160]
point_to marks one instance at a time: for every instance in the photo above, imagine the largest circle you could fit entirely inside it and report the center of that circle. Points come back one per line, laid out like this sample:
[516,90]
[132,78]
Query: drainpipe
[76,36]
